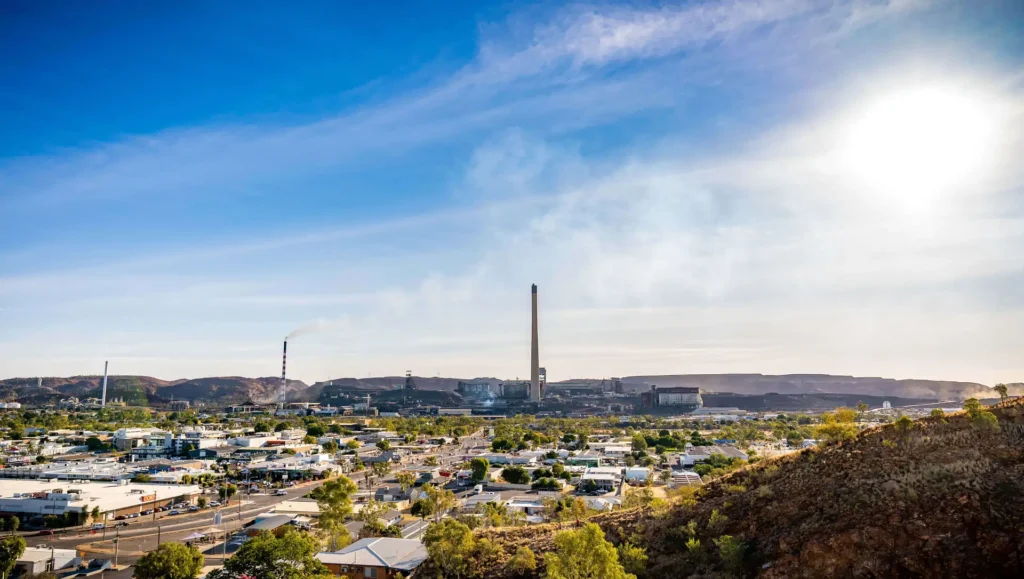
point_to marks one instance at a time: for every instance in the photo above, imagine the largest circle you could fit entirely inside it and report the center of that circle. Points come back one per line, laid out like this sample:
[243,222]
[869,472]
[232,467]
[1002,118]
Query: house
[388,494]
[470,503]
[638,474]
[530,504]
[695,454]
[37,560]
[376,557]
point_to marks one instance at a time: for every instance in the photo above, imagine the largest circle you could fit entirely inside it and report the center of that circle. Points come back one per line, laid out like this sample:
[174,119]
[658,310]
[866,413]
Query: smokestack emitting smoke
[103,400]
[284,374]
[534,353]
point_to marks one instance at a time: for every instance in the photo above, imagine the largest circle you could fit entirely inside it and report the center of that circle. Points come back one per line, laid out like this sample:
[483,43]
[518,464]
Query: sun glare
[917,145]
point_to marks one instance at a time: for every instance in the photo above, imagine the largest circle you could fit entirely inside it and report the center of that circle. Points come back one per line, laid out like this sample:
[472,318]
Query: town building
[377,557]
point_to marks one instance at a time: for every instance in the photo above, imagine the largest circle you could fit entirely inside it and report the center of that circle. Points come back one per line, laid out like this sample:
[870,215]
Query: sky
[786,186]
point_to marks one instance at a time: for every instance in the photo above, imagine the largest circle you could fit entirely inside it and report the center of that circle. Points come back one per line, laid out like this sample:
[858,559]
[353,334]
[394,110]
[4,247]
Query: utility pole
[117,541]
[158,536]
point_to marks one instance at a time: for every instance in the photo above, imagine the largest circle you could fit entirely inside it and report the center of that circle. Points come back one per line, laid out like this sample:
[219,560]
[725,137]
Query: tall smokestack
[284,374]
[103,400]
[534,353]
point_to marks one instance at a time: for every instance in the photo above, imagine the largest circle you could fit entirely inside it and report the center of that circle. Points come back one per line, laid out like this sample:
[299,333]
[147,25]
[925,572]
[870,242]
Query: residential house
[695,454]
[376,558]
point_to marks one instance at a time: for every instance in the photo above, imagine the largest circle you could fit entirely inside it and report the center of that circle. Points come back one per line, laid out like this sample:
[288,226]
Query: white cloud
[752,259]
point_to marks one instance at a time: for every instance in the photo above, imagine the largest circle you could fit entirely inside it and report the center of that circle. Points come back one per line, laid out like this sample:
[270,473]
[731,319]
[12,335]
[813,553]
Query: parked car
[44,533]
[215,504]
[147,512]
[133,516]
[174,512]
[122,524]
[120,517]
[281,492]
[193,509]
[98,526]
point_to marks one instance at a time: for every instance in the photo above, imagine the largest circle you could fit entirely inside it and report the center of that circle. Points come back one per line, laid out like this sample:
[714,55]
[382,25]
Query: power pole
[117,541]
[158,536]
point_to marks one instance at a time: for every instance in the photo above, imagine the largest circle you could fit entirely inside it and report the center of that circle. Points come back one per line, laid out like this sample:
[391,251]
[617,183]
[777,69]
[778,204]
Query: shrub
[732,551]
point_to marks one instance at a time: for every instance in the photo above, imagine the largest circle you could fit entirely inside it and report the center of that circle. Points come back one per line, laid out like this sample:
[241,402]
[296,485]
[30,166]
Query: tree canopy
[584,554]
[290,556]
[334,498]
[479,466]
[11,549]
[170,561]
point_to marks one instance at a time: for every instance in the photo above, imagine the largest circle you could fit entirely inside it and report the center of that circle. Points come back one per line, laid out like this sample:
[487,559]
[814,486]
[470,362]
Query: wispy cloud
[752,255]
[543,77]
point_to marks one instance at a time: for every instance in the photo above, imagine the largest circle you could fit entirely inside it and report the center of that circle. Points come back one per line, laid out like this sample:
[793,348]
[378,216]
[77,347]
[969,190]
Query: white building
[38,497]
[637,474]
[38,560]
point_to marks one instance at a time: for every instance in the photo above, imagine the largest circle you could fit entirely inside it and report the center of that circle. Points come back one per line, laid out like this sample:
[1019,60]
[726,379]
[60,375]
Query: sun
[918,145]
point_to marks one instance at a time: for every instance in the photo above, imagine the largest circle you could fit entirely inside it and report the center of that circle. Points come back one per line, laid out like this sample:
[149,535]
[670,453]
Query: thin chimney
[535,393]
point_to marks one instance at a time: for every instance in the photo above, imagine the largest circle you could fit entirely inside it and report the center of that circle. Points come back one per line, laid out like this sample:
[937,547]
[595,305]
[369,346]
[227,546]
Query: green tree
[280,426]
[837,425]
[479,466]
[732,551]
[334,498]
[11,549]
[13,523]
[937,413]
[142,478]
[1002,390]
[584,554]
[94,444]
[633,558]
[639,443]
[201,502]
[438,501]
[96,514]
[406,480]
[384,445]
[352,444]
[515,474]
[170,561]
[227,491]
[904,424]
[431,461]
[266,556]
[450,546]
[316,430]
[330,447]
[523,563]
[973,407]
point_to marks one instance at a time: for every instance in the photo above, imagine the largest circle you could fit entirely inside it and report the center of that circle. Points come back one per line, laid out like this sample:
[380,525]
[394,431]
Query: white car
[281,492]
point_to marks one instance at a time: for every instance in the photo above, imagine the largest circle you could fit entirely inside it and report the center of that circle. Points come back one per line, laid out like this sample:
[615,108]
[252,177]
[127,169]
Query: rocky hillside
[943,498]
[143,390]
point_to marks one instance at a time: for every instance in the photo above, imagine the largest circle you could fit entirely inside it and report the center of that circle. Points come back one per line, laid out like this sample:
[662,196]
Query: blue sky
[719,186]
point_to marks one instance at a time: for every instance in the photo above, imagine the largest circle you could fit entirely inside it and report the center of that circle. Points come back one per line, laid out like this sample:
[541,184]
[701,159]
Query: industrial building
[678,399]
[516,390]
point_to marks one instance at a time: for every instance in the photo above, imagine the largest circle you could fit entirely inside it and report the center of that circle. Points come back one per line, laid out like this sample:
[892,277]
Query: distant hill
[229,389]
[143,390]
[758,384]
[944,498]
